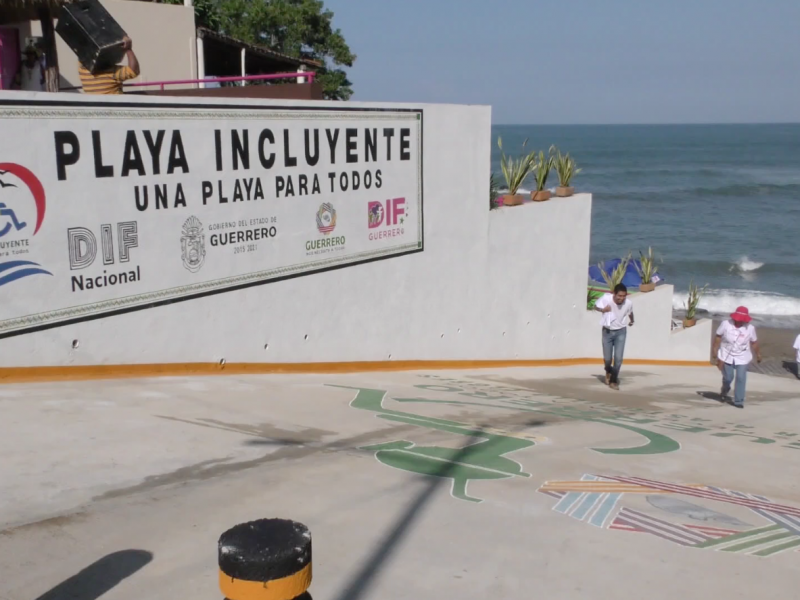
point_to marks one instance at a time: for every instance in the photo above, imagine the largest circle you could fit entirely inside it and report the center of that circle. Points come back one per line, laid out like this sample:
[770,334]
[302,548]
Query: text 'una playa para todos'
[311,162]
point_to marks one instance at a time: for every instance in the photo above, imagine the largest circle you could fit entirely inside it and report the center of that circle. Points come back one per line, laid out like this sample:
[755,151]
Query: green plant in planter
[646,267]
[693,299]
[542,170]
[515,170]
[617,275]
[566,169]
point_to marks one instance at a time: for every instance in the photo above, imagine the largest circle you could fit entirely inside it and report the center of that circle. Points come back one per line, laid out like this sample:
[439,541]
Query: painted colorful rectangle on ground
[603,501]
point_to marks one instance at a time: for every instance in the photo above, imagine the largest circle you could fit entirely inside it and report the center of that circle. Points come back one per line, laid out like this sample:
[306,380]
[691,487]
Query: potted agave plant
[541,171]
[566,169]
[695,293]
[616,276]
[647,270]
[515,171]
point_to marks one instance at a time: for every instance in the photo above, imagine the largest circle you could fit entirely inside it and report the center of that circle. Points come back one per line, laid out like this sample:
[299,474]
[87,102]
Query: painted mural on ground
[643,421]
[482,458]
[479,453]
[695,516]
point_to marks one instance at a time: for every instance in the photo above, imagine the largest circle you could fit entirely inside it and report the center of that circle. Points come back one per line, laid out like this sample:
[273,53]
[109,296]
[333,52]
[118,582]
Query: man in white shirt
[617,316]
[797,348]
[734,346]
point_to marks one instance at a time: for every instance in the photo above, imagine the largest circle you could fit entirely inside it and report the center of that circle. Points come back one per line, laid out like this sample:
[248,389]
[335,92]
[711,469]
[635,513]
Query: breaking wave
[745,265]
[724,302]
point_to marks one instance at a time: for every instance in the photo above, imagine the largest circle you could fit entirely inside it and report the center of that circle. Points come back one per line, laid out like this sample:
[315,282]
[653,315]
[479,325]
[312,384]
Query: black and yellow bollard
[268,559]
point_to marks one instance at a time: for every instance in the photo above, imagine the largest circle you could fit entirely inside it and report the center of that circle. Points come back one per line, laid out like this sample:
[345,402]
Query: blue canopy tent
[632,279]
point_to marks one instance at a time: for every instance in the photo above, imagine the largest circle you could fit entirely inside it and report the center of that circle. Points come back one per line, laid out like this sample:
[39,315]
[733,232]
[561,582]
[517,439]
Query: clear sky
[581,61]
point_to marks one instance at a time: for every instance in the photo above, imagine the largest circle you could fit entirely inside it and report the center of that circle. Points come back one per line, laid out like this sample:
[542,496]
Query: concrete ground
[504,483]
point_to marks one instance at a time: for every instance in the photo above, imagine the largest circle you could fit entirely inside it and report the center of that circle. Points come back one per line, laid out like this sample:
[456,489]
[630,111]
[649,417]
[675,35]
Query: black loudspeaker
[92,33]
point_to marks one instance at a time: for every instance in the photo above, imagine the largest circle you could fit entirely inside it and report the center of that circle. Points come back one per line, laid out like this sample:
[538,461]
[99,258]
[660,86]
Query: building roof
[257,50]
[15,11]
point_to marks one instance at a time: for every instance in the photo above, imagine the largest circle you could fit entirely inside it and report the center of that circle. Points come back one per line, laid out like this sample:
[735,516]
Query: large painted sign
[107,208]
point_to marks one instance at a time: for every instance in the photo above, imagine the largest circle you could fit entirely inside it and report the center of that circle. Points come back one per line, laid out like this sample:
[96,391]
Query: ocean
[720,205]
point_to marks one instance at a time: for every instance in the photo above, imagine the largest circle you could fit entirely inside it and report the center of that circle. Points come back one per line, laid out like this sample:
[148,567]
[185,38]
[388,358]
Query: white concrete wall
[163,39]
[539,256]
[536,279]
[505,284]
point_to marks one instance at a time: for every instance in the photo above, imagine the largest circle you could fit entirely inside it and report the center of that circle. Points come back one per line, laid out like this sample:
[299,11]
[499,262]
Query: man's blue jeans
[613,350]
[741,381]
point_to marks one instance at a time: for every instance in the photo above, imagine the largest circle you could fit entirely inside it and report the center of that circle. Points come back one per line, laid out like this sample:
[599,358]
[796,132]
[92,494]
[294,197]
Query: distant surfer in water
[617,316]
[734,345]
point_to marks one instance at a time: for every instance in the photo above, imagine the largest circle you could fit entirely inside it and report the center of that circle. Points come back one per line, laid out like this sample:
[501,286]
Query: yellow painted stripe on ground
[603,486]
[285,588]
[87,372]
[610,489]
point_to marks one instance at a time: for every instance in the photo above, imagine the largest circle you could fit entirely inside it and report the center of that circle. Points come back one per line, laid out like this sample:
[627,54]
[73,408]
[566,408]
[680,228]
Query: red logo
[33,184]
[13,221]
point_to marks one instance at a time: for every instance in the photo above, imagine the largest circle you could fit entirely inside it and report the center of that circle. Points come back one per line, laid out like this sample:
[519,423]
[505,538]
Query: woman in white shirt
[734,346]
[797,348]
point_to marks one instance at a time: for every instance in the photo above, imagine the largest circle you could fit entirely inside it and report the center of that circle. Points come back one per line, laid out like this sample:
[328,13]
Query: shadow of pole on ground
[360,582]
[100,577]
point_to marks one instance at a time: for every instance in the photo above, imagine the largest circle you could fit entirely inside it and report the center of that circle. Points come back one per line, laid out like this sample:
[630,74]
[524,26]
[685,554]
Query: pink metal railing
[309,75]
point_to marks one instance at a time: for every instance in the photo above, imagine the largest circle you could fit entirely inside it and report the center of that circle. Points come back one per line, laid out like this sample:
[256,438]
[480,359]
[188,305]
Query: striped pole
[268,559]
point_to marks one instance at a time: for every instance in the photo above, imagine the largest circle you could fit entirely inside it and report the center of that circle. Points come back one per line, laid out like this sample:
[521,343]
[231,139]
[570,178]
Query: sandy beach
[777,343]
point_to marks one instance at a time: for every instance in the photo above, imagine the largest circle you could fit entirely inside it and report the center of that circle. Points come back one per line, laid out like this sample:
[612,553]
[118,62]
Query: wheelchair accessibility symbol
[11,176]
[13,221]
[17,177]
